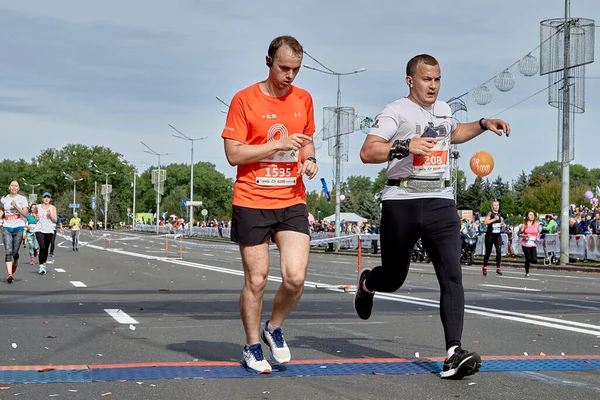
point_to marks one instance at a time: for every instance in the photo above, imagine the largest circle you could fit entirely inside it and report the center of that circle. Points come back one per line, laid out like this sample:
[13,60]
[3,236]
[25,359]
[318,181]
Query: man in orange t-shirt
[268,136]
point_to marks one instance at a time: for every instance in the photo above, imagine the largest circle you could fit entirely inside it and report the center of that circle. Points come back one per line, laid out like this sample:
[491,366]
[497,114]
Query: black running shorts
[252,226]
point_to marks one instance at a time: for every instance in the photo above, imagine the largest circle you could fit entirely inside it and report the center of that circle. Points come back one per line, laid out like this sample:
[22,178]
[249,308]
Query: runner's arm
[375,150]
[467,131]
[489,220]
[240,153]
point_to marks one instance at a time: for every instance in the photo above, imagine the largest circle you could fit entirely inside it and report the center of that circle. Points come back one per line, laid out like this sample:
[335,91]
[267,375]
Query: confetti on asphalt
[472,383]
[4,387]
[417,354]
[50,337]
[542,353]
[106,394]
[323,366]
[562,354]
[525,353]
[14,345]
[132,327]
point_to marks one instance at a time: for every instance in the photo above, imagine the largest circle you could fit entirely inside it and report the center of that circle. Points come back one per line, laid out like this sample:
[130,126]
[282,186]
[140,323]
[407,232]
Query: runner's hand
[309,168]
[294,142]
[497,126]
[13,203]
[421,146]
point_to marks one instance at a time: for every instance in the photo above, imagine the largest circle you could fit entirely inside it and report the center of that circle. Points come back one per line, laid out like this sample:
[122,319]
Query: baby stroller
[549,256]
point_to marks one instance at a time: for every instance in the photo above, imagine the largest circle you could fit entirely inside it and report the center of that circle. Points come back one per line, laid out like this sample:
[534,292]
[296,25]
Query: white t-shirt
[12,217]
[404,119]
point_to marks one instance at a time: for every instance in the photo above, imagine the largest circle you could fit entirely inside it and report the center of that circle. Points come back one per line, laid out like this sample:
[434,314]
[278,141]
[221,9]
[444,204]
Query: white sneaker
[280,352]
[254,360]
[527,275]
[42,270]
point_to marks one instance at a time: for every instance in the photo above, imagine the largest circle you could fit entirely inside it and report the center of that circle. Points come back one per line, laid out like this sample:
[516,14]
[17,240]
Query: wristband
[312,159]
[481,125]
[399,150]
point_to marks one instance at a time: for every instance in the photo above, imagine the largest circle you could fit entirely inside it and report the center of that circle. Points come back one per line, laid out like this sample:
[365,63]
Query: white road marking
[120,316]
[339,262]
[530,319]
[517,277]
[59,270]
[227,252]
[511,287]
[78,284]
[208,255]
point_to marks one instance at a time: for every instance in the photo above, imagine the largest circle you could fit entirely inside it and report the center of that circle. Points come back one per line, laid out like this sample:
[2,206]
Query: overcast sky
[113,73]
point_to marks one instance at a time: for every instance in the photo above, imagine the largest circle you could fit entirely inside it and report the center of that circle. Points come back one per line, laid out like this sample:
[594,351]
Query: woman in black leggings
[494,223]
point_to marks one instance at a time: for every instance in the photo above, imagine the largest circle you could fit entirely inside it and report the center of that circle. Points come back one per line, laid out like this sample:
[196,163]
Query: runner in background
[268,137]
[15,210]
[493,237]
[57,227]
[34,246]
[75,225]
[44,229]
[530,236]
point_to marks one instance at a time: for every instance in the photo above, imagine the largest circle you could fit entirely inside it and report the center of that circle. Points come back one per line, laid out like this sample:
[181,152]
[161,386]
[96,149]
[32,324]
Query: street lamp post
[70,178]
[183,136]
[32,196]
[338,153]
[224,102]
[106,193]
[158,182]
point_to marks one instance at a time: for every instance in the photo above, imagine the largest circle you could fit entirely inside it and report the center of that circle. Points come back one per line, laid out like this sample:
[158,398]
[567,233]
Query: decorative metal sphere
[482,95]
[529,65]
[456,105]
[504,81]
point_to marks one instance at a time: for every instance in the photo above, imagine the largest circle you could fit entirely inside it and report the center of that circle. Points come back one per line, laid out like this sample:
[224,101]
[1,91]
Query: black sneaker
[363,301]
[461,364]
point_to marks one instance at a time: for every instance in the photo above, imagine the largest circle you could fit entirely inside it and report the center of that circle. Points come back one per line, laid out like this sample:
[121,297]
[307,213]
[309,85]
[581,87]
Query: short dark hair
[288,41]
[411,66]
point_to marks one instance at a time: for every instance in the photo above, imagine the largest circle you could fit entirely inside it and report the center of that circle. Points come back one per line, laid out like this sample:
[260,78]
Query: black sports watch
[312,159]
[399,150]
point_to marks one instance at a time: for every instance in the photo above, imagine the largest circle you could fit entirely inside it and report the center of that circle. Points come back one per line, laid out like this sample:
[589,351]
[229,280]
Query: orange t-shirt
[255,118]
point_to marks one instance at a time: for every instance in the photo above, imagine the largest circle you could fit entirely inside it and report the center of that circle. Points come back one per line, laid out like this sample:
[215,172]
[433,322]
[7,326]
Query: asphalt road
[128,303]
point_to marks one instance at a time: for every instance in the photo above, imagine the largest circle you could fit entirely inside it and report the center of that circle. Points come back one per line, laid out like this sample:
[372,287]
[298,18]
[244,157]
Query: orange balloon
[482,163]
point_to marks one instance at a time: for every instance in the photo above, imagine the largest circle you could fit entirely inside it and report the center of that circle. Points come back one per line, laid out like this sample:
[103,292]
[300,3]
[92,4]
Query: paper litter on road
[14,345]
[132,327]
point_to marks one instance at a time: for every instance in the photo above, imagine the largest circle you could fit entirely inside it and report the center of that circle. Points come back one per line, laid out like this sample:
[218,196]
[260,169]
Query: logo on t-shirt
[277,129]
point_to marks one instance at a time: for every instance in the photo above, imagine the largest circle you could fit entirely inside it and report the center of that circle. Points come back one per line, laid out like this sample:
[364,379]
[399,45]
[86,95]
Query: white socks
[451,351]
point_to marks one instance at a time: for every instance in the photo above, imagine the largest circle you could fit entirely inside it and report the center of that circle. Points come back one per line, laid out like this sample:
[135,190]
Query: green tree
[545,173]
[461,188]
[380,181]
[473,196]
[357,190]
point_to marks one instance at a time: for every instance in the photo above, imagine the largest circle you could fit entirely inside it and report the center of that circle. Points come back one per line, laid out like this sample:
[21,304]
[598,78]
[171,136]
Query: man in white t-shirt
[413,134]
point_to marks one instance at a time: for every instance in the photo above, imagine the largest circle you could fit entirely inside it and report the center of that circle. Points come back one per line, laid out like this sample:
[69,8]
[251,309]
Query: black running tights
[493,239]
[436,222]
